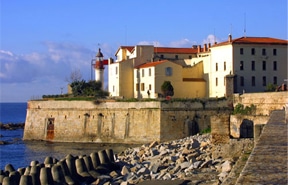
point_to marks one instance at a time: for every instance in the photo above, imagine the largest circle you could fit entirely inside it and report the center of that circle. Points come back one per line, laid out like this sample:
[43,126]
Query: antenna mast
[214,36]
[244,24]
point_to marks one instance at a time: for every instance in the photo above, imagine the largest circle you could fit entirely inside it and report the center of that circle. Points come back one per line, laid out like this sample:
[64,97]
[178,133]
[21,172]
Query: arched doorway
[246,129]
[50,129]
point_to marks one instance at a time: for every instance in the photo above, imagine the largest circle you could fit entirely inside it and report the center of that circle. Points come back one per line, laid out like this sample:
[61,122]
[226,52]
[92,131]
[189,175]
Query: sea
[20,153]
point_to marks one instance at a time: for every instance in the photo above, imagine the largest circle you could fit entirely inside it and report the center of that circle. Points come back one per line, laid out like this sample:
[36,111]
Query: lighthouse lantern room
[99,67]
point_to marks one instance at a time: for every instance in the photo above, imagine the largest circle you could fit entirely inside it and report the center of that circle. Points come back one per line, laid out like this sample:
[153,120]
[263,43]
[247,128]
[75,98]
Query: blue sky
[42,42]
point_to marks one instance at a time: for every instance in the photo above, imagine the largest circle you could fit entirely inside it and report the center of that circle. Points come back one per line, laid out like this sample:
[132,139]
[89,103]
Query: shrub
[241,109]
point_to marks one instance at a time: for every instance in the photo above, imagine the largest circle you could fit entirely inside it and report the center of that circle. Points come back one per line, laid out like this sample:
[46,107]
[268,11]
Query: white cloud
[183,43]
[35,74]
[154,43]
[211,39]
[59,60]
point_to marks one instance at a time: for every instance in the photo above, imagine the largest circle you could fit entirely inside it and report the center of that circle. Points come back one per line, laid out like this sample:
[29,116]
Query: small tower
[99,68]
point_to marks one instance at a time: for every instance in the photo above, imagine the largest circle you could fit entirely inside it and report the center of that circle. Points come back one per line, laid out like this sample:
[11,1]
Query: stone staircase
[268,162]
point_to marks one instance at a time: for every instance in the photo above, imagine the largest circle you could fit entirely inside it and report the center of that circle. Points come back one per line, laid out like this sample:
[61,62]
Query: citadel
[209,80]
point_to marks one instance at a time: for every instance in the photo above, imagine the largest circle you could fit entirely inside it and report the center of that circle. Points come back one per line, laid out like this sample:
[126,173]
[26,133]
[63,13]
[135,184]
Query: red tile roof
[175,50]
[254,40]
[129,48]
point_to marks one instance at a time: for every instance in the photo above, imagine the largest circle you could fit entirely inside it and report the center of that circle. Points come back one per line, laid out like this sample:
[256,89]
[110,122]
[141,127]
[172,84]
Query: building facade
[252,62]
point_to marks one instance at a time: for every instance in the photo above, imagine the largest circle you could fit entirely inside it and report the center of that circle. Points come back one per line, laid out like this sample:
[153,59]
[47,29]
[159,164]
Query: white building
[255,62]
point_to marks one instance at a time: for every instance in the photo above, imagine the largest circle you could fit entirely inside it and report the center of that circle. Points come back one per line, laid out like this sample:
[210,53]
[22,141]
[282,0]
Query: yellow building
[186,81]
[142,68]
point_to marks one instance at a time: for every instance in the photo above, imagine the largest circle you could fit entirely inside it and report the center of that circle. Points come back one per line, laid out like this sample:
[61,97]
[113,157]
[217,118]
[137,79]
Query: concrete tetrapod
[15,177]
[9,168]
[7,181]
[26,180]
[57,174]
[46,176]
[90,168]
[95,159]
[68,178]
[82,170]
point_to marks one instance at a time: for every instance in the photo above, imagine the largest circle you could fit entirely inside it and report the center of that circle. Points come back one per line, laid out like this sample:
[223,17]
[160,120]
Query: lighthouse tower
[99,68]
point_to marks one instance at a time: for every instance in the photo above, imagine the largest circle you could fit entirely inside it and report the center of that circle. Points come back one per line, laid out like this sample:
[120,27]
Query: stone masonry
[268,161]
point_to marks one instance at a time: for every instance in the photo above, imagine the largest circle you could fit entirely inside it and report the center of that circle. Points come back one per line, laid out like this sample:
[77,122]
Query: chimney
[229,38]
[205,47]
[110,60]
[209,45]
[199,48]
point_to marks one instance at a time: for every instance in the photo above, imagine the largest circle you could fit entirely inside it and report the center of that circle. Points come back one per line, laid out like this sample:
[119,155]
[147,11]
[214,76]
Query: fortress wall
[265,102]
[117,122]
[143,122]
[237,120]
[83,121]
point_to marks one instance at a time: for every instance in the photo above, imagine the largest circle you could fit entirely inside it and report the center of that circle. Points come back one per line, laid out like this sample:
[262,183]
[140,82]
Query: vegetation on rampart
[244,110]
[81,90]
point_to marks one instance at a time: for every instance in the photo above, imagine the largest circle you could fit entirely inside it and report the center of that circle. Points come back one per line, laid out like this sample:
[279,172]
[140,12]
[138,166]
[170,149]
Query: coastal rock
[12,126]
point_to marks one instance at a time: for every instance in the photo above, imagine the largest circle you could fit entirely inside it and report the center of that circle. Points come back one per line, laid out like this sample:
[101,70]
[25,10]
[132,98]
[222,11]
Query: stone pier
[268,161]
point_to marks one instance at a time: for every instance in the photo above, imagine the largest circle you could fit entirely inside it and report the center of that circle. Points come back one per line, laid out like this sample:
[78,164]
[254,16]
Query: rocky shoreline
[11,126]
[189,159]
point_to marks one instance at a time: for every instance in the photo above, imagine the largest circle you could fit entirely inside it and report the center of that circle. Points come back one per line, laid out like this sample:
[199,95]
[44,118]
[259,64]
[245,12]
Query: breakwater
[189,159]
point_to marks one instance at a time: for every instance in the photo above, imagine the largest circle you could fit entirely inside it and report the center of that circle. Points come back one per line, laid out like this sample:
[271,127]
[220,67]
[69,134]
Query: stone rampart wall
[118,122]
[265,102]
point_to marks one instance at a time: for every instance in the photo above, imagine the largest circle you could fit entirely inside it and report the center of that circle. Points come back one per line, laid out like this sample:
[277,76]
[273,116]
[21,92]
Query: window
[150,87]
[113,88]
[168,71]
[241,51]
[142,86]
[161,56]
[274,52]
[116,70]
[275,65]
[143,73]
[190,56]
[138,73]
[264,80]
[275,80]
[264,65]
[253,51]
[176,56]
[253,81]
[149,71]
[216,66]
[253,65]
[241,65]
[224,66]
[216,81]
[241,81]
[263,51]
[137,87]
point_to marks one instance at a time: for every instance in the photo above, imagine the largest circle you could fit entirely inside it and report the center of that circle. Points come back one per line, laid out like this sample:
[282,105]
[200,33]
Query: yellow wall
[194,72]
[175,79]
[126,78]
